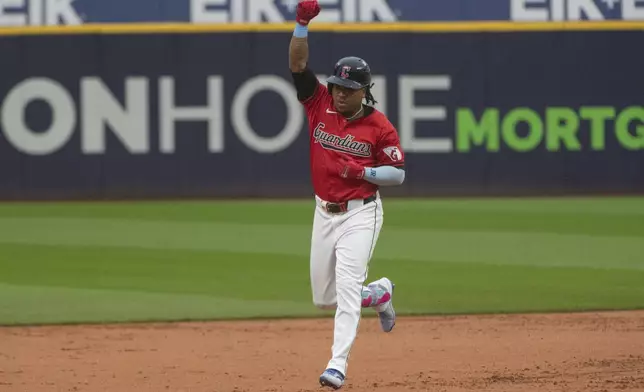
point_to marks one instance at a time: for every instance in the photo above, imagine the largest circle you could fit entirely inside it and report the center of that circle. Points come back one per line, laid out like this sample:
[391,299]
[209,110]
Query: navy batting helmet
[351,72]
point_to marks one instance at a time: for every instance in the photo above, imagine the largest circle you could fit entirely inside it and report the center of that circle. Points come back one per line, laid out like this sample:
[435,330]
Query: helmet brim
[352,84]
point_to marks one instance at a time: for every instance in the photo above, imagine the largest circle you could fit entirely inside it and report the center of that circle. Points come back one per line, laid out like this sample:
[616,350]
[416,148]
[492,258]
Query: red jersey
[370,141]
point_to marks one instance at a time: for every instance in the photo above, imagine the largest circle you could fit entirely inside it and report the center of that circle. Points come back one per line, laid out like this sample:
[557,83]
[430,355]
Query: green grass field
[139,261]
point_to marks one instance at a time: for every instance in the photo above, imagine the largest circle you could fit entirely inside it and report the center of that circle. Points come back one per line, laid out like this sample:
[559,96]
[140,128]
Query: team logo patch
[347,144]
[393,153]
[344,73]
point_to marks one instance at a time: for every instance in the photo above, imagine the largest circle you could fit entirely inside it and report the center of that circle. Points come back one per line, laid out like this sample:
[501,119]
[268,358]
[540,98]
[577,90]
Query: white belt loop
[321,203]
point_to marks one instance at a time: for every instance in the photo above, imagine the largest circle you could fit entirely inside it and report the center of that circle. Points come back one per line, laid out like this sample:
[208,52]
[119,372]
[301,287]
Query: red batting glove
[350,169]
[306,10]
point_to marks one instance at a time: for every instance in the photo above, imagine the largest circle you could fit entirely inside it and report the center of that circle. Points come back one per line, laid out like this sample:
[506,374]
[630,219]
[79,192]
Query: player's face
[346,100]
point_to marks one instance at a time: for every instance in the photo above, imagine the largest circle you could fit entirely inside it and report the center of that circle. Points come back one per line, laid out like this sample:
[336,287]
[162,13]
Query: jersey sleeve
[388,149]
[310,92]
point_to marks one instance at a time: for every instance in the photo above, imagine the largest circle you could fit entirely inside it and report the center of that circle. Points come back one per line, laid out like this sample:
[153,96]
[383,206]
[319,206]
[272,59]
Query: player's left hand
[350,169]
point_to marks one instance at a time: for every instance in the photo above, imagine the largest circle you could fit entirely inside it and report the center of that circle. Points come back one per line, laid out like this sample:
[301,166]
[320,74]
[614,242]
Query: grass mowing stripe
[448,288]
[539,249]
[32,304]
[435,287]
[254,238]
[624,205]
[240,276]
[300,212]
[452,219]
[602,216]
[505,248]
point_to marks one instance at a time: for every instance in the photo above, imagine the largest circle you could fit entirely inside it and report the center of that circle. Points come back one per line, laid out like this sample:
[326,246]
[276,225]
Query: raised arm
[298,53]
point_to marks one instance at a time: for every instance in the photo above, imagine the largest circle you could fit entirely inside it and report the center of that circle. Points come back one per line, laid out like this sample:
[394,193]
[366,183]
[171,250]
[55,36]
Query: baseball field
[492,294]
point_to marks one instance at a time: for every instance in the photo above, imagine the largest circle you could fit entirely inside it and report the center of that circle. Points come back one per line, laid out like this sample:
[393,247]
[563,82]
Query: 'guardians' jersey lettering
[346,144]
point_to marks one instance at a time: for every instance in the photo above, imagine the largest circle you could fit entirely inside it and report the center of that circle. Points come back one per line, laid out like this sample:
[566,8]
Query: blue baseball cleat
[386,312]
[332,378]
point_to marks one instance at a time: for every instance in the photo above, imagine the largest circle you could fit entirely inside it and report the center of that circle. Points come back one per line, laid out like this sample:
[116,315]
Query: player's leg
[379,296]
[322,260]
[357,240]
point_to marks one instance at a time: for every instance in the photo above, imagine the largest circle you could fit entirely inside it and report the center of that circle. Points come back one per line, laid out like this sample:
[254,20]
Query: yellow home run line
[400,27]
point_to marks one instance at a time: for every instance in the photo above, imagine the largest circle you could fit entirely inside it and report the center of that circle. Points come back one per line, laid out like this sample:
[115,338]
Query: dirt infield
[565,352]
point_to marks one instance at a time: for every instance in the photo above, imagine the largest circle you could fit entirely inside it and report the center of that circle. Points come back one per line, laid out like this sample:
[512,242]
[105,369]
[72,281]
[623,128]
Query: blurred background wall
[161,98]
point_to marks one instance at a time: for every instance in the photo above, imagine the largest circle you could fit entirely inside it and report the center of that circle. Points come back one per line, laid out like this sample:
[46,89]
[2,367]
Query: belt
[342,207]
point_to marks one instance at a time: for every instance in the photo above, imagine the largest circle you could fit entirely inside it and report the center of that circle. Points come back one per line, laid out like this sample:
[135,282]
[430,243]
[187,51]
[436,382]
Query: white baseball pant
[341,248]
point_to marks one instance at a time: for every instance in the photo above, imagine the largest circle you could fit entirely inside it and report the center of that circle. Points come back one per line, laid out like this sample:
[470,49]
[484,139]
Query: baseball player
[354,149]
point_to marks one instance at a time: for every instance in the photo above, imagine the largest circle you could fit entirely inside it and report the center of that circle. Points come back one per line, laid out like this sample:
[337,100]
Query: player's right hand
[306,10]
[349,169]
